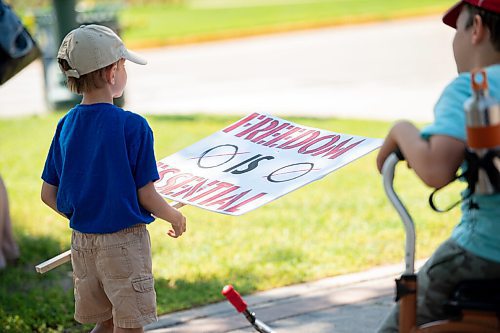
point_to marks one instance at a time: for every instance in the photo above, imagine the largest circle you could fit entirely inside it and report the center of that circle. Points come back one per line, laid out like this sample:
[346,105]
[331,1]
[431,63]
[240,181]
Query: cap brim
[134,57]
[450,17]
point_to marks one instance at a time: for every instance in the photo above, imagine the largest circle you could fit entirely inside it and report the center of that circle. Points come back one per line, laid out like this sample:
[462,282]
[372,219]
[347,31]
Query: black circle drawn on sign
[232,155]
[270,177]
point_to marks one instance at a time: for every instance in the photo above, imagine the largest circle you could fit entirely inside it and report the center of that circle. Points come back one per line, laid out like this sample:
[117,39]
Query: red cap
[450,17]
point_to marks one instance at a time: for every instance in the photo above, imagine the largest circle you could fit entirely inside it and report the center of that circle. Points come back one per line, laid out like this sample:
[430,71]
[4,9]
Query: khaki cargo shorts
[112,275]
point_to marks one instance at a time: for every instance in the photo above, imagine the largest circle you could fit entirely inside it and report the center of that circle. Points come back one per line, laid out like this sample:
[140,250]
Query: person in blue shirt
[100,173]
[436,153]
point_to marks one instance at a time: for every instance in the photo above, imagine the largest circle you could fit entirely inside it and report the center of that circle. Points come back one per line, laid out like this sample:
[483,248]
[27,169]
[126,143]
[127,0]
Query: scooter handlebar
[399,154]
[234,297]
[388,178]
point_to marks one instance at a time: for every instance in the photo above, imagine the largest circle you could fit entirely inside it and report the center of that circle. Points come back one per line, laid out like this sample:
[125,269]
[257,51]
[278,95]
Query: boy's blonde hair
[87,52]
[86,82]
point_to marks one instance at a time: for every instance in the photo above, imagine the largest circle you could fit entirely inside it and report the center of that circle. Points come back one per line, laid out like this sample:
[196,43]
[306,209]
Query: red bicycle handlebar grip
[234,297]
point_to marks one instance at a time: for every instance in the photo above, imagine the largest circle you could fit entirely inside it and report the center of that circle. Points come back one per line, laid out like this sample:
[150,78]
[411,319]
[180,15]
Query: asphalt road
[387,70]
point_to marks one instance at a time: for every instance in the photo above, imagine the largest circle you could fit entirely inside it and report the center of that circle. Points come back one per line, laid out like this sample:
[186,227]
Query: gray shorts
[437,279]
[112,275]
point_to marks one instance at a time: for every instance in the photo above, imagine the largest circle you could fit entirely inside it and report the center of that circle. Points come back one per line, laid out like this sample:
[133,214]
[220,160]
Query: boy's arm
[154,203]
[435,161]
[49,197]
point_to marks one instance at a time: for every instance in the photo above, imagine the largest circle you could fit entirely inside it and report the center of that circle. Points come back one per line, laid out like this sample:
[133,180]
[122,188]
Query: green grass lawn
[342,223]
[160,24]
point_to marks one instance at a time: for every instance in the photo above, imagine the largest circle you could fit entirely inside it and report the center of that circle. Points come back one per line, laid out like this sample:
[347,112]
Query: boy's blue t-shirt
[479,229]
[99,157]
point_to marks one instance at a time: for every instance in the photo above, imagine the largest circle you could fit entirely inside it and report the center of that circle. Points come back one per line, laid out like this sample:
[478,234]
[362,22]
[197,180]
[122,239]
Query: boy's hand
[154,203]
[178,226]
[435,161]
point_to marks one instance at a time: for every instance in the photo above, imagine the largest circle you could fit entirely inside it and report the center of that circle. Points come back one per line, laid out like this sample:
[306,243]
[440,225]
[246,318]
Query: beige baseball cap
[92,47]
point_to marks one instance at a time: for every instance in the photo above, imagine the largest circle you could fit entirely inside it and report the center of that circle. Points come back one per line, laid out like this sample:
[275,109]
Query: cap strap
[72,73]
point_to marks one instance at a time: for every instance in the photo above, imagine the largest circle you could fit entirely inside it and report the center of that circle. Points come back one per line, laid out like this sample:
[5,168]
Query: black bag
[17,48]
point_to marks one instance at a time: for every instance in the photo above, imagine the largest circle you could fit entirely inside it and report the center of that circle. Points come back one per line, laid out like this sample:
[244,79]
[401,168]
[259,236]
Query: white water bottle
[483,131]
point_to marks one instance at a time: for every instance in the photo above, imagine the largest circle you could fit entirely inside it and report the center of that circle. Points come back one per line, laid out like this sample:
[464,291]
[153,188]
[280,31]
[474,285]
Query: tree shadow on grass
[33,302]
[182,294]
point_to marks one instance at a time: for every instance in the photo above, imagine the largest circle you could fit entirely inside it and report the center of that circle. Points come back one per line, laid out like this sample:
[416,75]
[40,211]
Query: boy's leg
[104,327]
[450,265]
[91,302]
[125,266]
[437,279]
[108,327]
[435,282]
[427,308]
[128,330]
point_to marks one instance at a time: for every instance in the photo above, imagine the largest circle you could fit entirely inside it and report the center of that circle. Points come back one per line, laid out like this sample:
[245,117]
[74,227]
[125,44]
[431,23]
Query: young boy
[99,174]
[435,153]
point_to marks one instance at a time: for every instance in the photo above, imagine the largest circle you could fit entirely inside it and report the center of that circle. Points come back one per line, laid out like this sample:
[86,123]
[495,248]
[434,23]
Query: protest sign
[248,164]
[255,161]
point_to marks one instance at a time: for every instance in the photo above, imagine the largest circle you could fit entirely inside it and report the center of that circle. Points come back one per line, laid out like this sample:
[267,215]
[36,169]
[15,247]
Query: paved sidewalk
[344,304]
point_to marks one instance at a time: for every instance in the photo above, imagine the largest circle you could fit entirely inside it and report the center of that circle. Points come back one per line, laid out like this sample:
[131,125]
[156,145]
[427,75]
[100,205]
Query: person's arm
[435,161]
[49,197]
[154,203]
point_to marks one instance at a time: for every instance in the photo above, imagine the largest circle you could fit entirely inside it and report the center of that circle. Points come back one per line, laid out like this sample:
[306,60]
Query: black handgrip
[399,154]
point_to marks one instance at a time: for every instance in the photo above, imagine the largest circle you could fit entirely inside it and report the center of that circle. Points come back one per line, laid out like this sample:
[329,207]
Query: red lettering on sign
[333,139]
[237,207]
[313,134]
[253,128]
[239,123]
[270,129]
[285,135]
[162,173]
[201,195]
[192,190]
[215,189]
[219,195]
[172,182]
[232,199]
[338,150]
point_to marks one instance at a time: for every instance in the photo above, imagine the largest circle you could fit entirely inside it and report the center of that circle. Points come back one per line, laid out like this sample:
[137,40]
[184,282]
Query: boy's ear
[479,30]
[110,74]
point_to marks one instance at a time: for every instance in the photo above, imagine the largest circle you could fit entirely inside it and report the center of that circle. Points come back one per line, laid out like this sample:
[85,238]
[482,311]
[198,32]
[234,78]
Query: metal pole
[388,178]
[65,18]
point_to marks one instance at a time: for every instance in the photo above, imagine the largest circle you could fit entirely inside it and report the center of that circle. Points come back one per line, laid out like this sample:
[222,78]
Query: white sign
[255,161]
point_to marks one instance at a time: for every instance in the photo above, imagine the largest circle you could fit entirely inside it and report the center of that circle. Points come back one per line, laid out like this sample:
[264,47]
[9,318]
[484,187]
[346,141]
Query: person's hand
[390,145]
[400,136]
[178,226]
